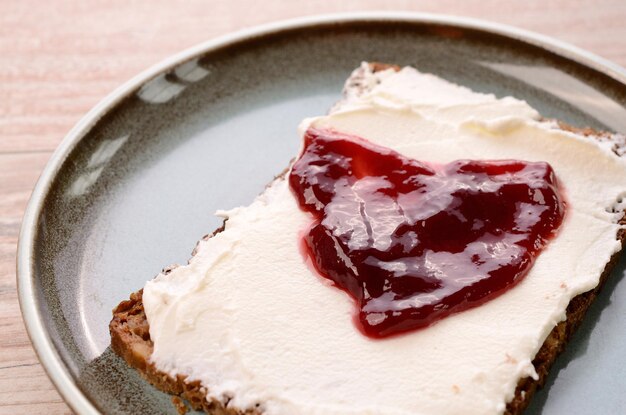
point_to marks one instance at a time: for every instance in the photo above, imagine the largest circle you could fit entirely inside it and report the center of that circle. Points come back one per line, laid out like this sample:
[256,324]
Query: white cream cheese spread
[258,328]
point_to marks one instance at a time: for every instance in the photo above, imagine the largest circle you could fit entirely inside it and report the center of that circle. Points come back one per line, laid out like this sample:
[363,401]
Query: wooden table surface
[58,59]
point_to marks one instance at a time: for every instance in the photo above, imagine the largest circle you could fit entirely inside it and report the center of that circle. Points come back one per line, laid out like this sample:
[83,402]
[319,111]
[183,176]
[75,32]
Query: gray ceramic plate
[134,184]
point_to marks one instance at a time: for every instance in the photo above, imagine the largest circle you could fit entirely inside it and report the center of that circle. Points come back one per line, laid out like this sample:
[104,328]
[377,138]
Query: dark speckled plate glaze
[135,183]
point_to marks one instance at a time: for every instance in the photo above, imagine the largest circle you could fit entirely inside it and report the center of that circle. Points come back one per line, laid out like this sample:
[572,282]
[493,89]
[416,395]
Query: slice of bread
[130,337]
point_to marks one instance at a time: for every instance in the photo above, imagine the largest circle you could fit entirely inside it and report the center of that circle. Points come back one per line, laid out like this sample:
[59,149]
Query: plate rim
[46,352]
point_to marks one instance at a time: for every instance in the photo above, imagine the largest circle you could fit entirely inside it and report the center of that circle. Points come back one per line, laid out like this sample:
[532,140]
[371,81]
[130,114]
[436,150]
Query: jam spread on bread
[413,242]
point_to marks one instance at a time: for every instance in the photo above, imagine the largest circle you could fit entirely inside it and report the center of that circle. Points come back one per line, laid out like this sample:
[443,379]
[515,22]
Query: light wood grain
[57,59]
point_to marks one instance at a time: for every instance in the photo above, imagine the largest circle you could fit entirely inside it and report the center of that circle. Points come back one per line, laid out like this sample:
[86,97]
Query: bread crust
[130,336]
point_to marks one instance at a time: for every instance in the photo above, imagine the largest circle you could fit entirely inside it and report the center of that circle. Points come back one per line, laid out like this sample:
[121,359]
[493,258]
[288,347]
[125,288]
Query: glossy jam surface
[412,242]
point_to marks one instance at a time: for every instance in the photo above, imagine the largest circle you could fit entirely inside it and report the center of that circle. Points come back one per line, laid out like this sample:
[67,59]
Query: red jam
[414,242]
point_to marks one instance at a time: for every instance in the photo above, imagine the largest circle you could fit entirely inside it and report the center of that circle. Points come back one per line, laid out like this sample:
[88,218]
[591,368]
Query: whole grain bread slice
[130,336]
